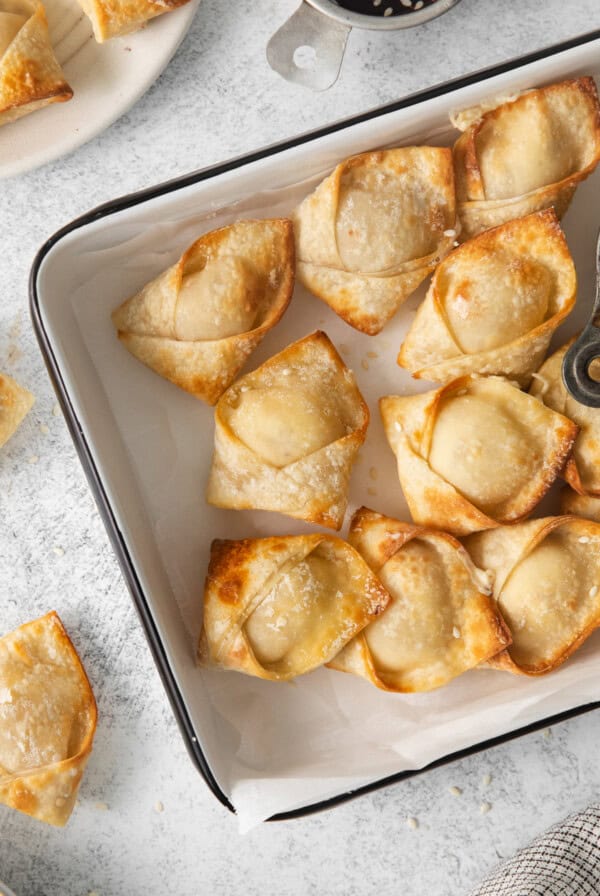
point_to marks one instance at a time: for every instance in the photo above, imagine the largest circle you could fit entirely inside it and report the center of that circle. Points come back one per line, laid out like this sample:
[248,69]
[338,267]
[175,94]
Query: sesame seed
[372,492]
[547,733]
[44,429]
[158,806]
[344,348]
[56,410]
[419,4]
[412,823]
[486,780]
[485,808]
[33,459]
[584,539]
[455,632]
[372,355]
[455,791]
[388,11]
[364,364]
[593,591]
[449,232]
[60,552]
[102,807]
[373,473]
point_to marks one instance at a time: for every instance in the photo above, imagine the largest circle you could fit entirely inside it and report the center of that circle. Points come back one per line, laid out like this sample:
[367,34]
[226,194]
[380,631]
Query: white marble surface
[217,99]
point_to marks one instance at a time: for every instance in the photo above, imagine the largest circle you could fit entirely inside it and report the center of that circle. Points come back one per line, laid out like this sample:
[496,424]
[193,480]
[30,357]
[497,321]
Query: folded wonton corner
[30,76]
[494,303]
[279,607]
[197,322]
[287,434]
[113,18]
[47,720]
[582,470]
[586,506]
[15,404]
[374,229]
[547,585]
[440,620]
[525,154]
[476,453]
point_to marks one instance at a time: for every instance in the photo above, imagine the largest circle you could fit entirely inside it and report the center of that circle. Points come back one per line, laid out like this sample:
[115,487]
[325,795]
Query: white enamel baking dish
[263,748]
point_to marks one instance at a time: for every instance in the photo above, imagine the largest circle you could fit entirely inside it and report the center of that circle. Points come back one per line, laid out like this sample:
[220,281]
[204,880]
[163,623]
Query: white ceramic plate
[107,79]
[147,448]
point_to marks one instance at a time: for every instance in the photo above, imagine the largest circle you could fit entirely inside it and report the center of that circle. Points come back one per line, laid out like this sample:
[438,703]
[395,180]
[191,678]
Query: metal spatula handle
[585,349]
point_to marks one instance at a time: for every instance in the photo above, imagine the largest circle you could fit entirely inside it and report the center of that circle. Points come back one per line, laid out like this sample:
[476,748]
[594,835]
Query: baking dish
[264,749]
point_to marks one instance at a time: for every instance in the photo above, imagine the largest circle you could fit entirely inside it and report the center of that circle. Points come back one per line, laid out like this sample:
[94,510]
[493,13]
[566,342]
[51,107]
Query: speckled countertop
[146,822]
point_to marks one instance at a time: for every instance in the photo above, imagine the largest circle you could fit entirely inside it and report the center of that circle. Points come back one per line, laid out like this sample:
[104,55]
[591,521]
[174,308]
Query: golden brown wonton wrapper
[440,620]
[582,470]
[47,720]
[374,229]
[526,154]
[547,585]
[476,453]
[586,506]
[15,404]
[30,76]
[112,18]
[287,433]
[279,607]
[197,322]
[494,303]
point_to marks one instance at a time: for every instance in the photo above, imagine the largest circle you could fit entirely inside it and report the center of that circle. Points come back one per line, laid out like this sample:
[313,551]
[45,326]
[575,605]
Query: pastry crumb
[44,429]
[60,552]
[455,791]
[364,364]
[485,808]
[547,732]
[373,473]
[486,780]
[56,410]
[412,823]
[372,355]
[32,459]
[102,807]
[372,492]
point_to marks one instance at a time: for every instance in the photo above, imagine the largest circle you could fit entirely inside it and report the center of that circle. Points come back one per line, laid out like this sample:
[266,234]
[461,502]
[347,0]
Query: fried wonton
[476,453]
[30,76]
[586,506]
[440,620]
[15,404]
[197,322]
[47,720]
[279,607]
[547,585]
[287,434]
[113,18]
[494,303]
[374,229]
[582,471]
[526,154]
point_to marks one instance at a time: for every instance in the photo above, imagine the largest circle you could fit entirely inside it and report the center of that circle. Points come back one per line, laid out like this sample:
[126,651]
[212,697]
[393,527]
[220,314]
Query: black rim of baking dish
[83,450]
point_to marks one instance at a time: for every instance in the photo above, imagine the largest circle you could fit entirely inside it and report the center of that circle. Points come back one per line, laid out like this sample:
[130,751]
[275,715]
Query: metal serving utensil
[585,350]
[309,47]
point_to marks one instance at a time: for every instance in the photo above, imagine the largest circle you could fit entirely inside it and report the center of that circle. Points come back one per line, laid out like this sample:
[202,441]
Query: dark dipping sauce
[385,7]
